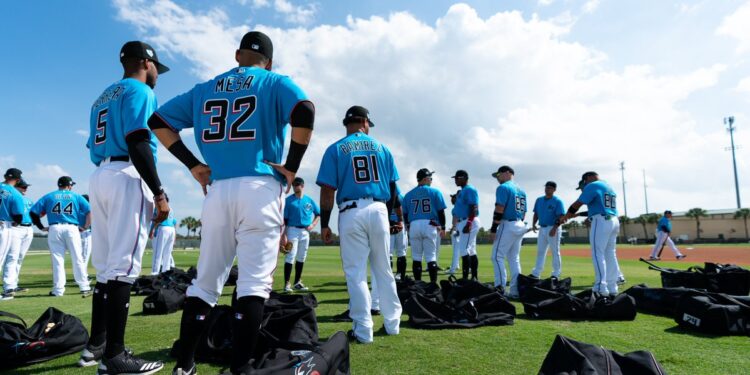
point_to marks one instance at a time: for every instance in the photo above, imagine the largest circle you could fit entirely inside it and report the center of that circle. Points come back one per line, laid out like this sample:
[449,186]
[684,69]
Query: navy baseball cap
[667,212]
[22,184]
[258,42]
[298,181]
[581,184]
[423,173]
[13,174]
[65,181]
[356,113]
[504,169]
[142,50]
[461,173]
[551,184]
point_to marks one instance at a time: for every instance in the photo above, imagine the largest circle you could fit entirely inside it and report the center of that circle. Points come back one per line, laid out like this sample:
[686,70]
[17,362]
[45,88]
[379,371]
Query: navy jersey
[467,196]
[240,119]
[513,198]
[548,210]
[300,212]
[600,199]
[664,225]
[358,166]
[11,202]
[423,203]
[62,207]
[124,107]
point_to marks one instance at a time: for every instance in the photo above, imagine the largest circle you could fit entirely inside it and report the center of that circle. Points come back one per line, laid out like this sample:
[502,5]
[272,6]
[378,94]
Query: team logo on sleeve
[308,207]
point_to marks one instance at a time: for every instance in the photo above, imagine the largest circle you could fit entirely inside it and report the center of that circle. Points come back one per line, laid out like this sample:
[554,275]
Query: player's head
[504,174]
[668,214]
[298,184]
[256,49]
[424,176]
[549,188]
[65,183]
[589,177]
[22,186]
[357,118]
[12,176]
[461,178]
[139,60]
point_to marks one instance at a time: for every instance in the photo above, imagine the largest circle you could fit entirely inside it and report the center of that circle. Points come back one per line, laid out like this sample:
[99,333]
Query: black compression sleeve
[303,115]
[406,217]
[294,158]
[393,201]
[36,220]
[441,218]
[325,217]
[142,157]
[181,152]
[156,122]
[18,219]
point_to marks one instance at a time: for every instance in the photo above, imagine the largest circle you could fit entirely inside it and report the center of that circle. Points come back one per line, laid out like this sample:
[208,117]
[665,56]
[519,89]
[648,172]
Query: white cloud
[83,133]
[591,6]
[545,3]
[474,93]
[294,14]
[744,85]
[737,26]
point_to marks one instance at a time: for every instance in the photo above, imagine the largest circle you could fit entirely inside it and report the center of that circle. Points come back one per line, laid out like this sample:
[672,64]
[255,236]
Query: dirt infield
[696,254]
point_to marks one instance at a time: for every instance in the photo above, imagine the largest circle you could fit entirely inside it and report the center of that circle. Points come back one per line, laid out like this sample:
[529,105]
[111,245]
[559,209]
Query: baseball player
[163,236]
[11,209]
[361,173]
[467,212]
[549,211]
[301,215]
[424,215]
[602,204]
[85,236]
[240,119]
[122,203]
[663,229]
[507,229]
[454,237]
[21,236]
[62,208]
[399,239]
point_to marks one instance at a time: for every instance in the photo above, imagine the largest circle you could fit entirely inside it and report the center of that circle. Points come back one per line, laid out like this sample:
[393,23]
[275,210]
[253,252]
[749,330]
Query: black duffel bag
[714,313]
[326,358]
[488,310]
[693,278]
[165,301]
[525,283]
[658,301]
[568,357]
[727,278]
[408,286]
[548,304]
[456,290]
[53,335]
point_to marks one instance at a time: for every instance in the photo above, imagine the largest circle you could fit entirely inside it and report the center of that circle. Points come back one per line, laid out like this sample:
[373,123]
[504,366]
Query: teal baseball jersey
[300,212]
[548,210]
[600,199]
[513,199]
[27,204]
[11,202]
[423,203]
[62,207]
[468,196]
[664,225]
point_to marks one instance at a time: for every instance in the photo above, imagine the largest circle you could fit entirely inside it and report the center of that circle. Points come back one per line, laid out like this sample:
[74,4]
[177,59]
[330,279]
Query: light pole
[624,200]
[645,192]
[729,122]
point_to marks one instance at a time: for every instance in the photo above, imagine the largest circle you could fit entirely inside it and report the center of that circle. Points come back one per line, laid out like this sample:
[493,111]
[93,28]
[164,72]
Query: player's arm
[497,216]
[326,207]
[572,210]
[534,220]
[302,120]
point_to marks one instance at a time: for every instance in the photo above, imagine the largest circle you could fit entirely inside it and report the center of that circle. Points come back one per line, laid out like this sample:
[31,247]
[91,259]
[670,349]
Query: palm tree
[697,213]
[743,213]
[652,219]
[624,220]
[189,223]
[198,225]
[643,221]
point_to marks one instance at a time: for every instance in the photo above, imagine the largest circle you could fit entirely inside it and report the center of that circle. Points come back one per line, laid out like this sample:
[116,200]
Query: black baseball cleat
[127,364]
[343,317]
[353,337]
[52,294]
[180,371]
[21,290]
[374,312]
[91,355]
[654,258]
[681,256]
[8,295]
[621,280]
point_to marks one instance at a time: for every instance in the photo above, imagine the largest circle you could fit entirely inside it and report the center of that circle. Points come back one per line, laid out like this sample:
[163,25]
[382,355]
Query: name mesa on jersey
[233,83]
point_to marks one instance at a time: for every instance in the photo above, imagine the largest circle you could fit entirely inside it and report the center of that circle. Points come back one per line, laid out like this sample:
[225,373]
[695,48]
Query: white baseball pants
[6,236]
[122,207]
[543,242]
[163,243]
[242,217]
[300,239]
[364,235]
[456,252]
[399,243]
[19,244]
[662,238]
[507,246]
[424,240]
[63,237]
[86,246]
[603,237]
[467,242]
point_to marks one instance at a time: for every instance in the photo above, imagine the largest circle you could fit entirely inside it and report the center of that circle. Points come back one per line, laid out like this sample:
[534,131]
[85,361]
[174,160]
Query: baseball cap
[22,184]
[298,181]
[13,173]
[424,172]
[551,184]
[581,184]
[258,42]
[142,50]
[667,212]
[65,181]
[504,169]
[460,173]
[355,112]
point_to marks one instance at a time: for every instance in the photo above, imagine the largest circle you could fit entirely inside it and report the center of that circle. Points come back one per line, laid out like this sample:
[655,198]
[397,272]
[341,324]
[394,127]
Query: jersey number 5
[365,169]
[220,110]
[68,210]
[101,127]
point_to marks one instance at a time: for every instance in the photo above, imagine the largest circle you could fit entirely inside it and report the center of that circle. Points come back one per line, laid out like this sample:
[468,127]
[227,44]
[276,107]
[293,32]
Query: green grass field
[517,349]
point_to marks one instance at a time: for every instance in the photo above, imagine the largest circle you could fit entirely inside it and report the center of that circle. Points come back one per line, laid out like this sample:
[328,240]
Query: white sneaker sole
[149,372]
[84,363]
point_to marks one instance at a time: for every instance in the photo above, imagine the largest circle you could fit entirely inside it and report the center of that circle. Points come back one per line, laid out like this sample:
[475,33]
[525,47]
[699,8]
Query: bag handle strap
[13,316]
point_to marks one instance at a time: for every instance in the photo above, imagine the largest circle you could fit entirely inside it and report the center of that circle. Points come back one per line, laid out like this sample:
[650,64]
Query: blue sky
[552,87]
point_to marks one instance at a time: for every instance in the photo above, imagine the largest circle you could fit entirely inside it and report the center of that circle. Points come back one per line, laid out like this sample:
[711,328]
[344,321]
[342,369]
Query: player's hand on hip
[467,227]
[327,235]
[534,228]
[310,228]
[553,231]
[162,208]
[289,175]
[202,174]
[283,240]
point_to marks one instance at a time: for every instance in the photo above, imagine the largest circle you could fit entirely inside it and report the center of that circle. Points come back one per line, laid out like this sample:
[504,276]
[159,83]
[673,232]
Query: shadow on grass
[682,331]
[45,370]
[323,291]
[339,301]
[156,355]
[334,283]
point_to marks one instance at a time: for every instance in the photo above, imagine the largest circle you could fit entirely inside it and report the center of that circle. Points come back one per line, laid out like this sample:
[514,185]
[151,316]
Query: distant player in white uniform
[240,120]
[548,211]
[507,229]
[399,239]
[424,215]
[63,207]
[602,203]
[122,204]
[11,210]
[163,236]
[361,173]
[301,215]
[467,212]
[85,237]
[21,236]
[663,230]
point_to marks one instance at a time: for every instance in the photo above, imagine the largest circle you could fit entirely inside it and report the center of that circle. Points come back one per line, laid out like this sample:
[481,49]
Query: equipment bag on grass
[727,278]
[658,301]
[581,306]
[713,313]
[568,357]
[53,335]
[488,310]
[165,301]
[408,286]
[525,283]
[326,358]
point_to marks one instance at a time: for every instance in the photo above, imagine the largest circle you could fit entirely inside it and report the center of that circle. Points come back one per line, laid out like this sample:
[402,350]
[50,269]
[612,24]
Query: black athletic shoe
[353,337]
[8,295]
[21,290]
[374,312]
[343,317]
[52,294]
[127,364]
[91,355]
[180,371]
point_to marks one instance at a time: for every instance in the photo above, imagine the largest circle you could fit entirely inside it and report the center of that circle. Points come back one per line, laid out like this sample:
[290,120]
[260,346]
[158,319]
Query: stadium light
[729,122]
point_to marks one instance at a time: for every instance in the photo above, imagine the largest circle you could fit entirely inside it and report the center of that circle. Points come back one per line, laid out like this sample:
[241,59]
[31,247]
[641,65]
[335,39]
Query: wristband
[294,158]
[493,228]
[181,152]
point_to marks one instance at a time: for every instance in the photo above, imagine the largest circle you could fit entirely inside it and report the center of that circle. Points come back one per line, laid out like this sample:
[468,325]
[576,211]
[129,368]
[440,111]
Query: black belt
[125,158]
[356,199]
[348,206]
[24,225]
[300,227]
[511,219]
